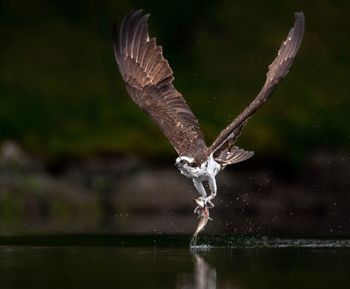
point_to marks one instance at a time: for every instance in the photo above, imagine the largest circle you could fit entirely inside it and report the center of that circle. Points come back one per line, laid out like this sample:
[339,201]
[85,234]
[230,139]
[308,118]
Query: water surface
[321,264]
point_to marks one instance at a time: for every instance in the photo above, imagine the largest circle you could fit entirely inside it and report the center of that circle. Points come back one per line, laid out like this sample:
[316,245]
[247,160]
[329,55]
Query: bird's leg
[213,189]
[200,201]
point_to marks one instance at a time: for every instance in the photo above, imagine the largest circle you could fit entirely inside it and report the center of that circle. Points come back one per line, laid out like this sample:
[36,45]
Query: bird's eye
[192,164]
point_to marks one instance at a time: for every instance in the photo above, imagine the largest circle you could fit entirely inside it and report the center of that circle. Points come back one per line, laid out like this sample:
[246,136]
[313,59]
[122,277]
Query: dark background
[77,155]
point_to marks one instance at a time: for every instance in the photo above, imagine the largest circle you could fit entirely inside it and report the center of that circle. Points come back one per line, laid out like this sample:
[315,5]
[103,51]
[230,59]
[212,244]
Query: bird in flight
[149,82]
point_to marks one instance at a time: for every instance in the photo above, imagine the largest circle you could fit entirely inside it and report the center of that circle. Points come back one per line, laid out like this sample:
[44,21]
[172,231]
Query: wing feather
[149,78]
[276,71]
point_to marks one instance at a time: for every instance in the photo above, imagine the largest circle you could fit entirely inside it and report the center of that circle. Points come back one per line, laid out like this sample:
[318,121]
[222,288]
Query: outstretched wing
[149,78]
[277,70]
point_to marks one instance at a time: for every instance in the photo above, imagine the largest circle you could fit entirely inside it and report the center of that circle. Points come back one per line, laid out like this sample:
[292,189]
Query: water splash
[265,242]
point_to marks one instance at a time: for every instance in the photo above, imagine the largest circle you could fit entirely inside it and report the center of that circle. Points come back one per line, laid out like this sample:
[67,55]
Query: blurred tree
[61,92]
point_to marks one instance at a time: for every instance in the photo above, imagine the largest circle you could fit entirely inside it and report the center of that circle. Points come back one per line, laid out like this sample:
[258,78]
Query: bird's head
[186,165]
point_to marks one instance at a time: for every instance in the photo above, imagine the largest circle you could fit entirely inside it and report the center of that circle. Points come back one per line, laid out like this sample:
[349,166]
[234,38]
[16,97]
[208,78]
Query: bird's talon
[200,202]
[195,211]
[208,203]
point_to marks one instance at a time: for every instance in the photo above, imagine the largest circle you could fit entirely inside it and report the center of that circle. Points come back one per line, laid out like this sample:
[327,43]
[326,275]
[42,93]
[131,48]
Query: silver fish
[203,216]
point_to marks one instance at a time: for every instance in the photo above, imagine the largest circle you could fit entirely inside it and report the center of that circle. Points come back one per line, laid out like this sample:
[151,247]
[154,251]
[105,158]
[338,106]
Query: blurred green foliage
[61,92]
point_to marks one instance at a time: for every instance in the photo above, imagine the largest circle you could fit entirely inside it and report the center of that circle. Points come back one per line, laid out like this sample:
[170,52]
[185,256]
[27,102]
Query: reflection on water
[203,276]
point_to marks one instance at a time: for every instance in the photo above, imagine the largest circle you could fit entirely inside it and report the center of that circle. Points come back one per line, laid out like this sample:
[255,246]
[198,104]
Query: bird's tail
[233,155]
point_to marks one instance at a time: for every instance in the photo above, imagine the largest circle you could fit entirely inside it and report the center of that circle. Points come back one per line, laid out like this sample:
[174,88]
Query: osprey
[149,82]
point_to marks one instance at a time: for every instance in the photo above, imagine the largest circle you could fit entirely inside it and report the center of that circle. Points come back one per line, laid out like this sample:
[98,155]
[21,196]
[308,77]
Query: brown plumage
[149,78]
[277,70]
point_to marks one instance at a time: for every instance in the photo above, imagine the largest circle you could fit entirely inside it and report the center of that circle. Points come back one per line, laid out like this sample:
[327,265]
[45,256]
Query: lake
[167,262]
